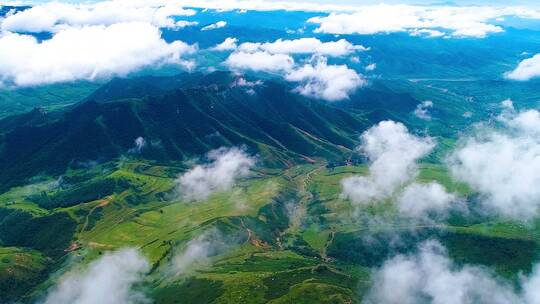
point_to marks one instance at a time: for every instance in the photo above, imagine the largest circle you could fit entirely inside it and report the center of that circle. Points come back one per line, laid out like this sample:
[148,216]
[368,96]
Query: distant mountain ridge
[179,117]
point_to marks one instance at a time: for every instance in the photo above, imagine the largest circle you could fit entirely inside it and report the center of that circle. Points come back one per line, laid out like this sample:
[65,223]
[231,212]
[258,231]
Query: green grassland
[20,270]
[322,255]
[51,97]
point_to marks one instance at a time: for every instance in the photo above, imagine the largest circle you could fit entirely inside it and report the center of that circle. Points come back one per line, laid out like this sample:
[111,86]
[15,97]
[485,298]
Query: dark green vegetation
[177,125]
[73,188]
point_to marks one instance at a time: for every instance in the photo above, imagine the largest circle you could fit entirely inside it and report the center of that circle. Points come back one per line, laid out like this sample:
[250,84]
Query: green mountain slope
[177,124]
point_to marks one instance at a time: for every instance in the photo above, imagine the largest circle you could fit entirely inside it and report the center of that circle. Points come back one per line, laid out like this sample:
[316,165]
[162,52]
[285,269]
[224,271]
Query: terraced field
[278,237]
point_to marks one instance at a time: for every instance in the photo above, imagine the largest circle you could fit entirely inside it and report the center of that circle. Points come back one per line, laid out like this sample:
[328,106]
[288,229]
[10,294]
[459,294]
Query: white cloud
[140,144]
[217,25]
[86,53]
[393,154]
[426,32]
[264,5]
[469,21]
[56,16]
[422,110]
[527,69]
[108,280]
[531,294]
[484,12]
[422,200]
[503,165]
[371,67]
[370,20]
[229,44]
[383,18]
[430,277]
[297,46]
[242,82]
[260,61]
[226,167]
[197,252]
[328,82]
[304,46]
[180,24]
[508,104]
[316,78]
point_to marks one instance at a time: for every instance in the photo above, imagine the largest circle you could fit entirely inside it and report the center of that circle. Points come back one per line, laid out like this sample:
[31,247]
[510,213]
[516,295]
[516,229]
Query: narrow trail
[300,209]
[252,239]
[324,253]
[103,203]
[306,196]
[307,178]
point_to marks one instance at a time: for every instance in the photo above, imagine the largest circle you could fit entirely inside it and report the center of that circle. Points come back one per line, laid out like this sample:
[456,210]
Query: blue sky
[360,2]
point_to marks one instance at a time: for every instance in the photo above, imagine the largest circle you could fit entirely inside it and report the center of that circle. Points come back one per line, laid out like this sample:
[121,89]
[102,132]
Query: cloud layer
[393,154]
[422,110]
[260,61]
[464,21]
[420,200]
[430,277]
[197,253]
[324,81]
[226,166]
[57,16]
[503,165]
[214,26]
[86,53]
[108,280]
[526,69]
[383,18]
[337,48]
[316,78]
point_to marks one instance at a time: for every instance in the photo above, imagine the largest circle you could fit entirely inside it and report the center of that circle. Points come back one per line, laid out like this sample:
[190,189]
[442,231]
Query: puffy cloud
[422,110]
[383,18]
[328,82]
[226,167]
[56,16]
[527,69]
[86,53]
[472,21]
[304,46]
[451,14]
[229,44]
[508,104]
[526,122]
[371,67]
[217,25]
[393,154]
[429,276]
[180,24]
[260,61]
[531,295]
[108,280]
[264,5]
[317,78]
[503,165]
[426,32]
[370,20]
[338,48]
[422,200]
